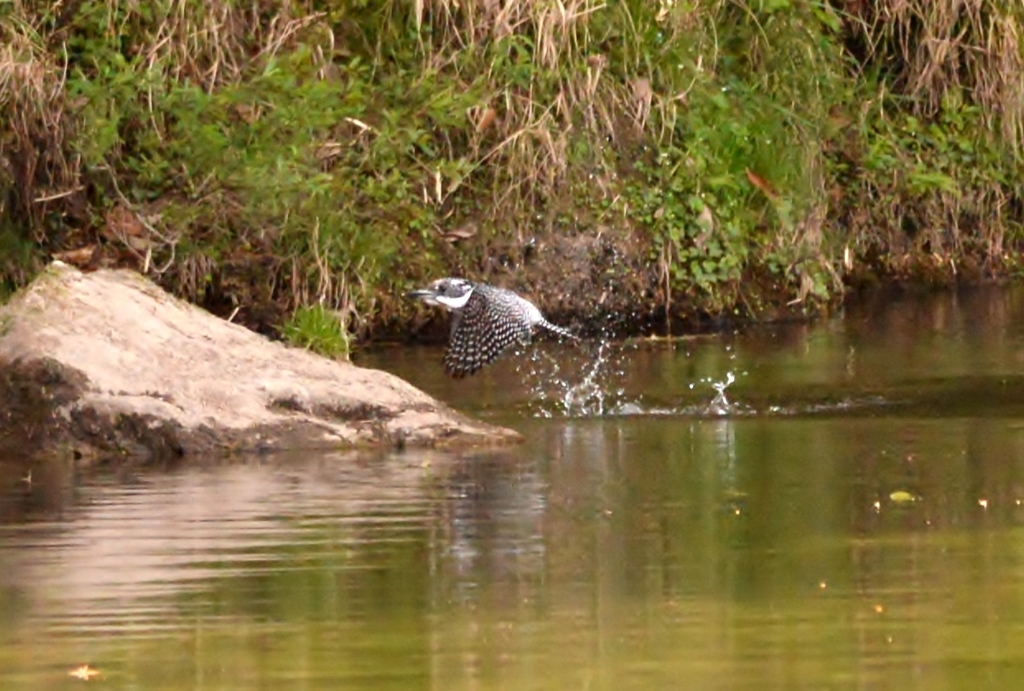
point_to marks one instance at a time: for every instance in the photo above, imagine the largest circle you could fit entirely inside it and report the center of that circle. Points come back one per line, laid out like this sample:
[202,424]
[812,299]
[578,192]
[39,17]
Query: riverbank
[636,166]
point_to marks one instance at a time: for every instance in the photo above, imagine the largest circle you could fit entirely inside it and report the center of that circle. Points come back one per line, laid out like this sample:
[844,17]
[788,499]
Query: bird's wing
[481,331]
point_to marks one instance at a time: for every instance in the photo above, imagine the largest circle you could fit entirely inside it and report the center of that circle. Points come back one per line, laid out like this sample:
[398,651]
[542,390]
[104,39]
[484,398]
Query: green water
[855,521]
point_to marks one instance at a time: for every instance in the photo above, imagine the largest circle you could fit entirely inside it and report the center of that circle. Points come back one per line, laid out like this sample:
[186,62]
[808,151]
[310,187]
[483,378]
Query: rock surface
[108,364]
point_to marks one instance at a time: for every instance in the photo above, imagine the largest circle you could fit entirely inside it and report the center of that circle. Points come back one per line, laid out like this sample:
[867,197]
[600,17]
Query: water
[845,513]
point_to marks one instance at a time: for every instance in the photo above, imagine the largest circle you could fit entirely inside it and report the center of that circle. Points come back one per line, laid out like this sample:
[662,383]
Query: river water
[835,505]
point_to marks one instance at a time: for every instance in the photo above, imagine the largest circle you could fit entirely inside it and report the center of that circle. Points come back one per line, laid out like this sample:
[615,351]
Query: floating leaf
[902,497]
[85,673]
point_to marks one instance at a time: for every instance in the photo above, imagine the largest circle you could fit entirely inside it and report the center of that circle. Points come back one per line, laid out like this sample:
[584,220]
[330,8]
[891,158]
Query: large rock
[107,363]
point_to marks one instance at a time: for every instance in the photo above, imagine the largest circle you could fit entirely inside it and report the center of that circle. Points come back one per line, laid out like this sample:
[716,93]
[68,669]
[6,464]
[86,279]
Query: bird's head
[450,293]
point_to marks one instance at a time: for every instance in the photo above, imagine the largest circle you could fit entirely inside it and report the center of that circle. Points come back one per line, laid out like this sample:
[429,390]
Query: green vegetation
[319,330]
[730,153]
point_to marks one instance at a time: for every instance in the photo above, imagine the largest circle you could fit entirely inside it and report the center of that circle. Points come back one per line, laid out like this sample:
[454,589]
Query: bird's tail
[564,333]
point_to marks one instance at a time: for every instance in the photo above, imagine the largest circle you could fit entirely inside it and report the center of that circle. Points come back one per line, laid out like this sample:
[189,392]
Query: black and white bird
[485,321]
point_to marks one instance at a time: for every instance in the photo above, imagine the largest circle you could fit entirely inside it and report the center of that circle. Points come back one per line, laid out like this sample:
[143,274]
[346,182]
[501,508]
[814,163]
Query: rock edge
[108,364]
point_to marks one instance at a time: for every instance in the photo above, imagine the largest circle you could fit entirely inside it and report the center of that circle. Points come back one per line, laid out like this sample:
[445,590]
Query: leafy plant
[318,329]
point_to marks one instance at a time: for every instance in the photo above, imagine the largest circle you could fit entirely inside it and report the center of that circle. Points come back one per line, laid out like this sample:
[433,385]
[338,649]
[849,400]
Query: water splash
[720,404]
[590,380]
[592,384]
[591,390]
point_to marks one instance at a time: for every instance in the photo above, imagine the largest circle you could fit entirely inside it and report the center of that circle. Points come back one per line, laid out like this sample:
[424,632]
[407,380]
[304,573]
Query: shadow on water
[845,513]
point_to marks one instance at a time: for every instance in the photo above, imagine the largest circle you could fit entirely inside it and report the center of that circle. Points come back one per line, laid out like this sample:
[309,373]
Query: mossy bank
[625,163]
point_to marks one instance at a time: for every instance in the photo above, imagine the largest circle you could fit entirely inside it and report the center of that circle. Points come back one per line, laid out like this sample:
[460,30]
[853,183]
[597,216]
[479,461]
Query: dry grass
[947,50]
[524,130]
[208,43]
[36,157]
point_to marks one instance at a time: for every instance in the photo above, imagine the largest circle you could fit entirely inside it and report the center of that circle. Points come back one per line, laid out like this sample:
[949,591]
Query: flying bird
[484,322]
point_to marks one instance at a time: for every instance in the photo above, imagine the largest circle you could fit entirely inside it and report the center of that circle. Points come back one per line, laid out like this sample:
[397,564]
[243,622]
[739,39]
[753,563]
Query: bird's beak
[428,296]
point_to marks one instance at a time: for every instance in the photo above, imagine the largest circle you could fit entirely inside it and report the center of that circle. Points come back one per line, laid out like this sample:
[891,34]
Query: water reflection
[873,545]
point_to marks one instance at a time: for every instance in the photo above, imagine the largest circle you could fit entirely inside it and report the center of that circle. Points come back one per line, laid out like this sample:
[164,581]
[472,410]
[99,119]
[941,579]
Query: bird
[485,320]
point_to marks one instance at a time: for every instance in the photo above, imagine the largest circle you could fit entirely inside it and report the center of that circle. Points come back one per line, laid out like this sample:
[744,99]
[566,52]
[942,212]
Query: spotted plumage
[485,321]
